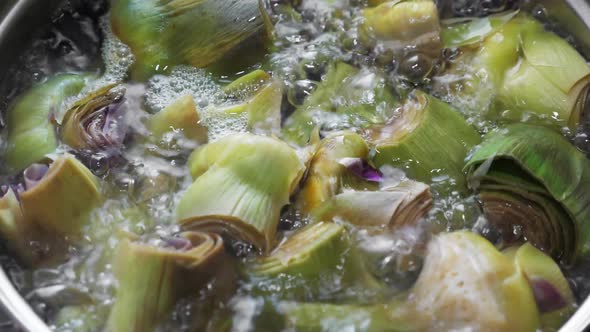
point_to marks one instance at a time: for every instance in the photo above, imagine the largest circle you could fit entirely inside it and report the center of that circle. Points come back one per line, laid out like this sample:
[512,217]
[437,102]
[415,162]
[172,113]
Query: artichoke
[402,24]
[171,28]
[153,277]
[52,206]
[241,184]
[429,139]
[248,84]
[96,123]
[181,115]
[31,132]
[391,207]
[532,178]
[502,55]
[347,98]
[466,283]
[315,262]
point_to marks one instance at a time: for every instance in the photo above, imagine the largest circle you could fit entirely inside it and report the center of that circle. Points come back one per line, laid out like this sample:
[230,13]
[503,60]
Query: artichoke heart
[31,132]
[502,55]
[241,184]
[391,207]
[52,206]
[199,33]
[316,261]
[429,139]
[465,283]
[96,122]
[533,178]
[153,277]
[346,98]
[399,24]
[180,115]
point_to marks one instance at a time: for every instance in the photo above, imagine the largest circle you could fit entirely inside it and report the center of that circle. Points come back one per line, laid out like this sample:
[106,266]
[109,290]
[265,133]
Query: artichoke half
[39,221]
[165,33]
[466,283]
[346,98]
[31,131]
[96,123]
[429,139]
[153,277]
[502,54]
[400,25]
[532,178]
[316,262]
[241,184]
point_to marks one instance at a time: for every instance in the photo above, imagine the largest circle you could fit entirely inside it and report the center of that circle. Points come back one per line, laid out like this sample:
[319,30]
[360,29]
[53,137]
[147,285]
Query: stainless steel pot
[19,19]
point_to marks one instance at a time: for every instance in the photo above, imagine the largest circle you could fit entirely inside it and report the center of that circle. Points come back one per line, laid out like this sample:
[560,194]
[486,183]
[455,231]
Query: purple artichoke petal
[106,127]
[547,296]
[361,168]
[178,243]
[34,174]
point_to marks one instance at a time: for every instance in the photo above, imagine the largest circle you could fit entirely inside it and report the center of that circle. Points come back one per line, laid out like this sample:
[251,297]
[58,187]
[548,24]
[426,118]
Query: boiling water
[146,182]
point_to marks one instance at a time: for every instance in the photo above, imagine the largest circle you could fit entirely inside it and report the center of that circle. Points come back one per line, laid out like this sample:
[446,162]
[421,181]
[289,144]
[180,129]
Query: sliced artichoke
[181,115]
[347,98]
[429,139]
[315,262]
[405,24]
[390,208]
[31,132]
[241,184]
[532,178]
[466,283]
[96,123]
[153,277]
[169,26]
[38,221]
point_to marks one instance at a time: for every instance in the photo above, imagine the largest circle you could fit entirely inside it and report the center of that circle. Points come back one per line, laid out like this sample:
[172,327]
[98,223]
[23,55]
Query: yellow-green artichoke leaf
[181,115]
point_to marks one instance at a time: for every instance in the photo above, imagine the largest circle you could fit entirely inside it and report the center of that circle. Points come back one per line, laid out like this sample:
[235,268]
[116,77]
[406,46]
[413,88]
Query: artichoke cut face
[391,208]
[169,25]
[31,133]
[556,173]
[325,174]
[241,184]
[153,277]
[427,140]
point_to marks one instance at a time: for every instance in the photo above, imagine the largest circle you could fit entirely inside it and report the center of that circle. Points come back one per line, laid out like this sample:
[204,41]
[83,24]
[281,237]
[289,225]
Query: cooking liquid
[144,187]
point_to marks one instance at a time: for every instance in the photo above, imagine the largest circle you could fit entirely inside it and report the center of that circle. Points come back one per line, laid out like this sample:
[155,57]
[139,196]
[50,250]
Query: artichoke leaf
[31,132]
[153,277]
[180,115]
[241,184]
[248,84]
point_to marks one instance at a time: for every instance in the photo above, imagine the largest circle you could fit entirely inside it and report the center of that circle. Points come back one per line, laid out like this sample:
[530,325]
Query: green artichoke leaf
[473,31]
[31,132]
[429,139]
[539,153]
[154,276]
[399,24]
[347,98]
[247,85]
[241,184]
[389,208]
[465,283]
[181,115]
[222,25]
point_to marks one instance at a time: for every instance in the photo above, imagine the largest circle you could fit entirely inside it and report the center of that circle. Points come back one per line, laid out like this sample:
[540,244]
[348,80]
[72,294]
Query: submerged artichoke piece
[326,170]
[153,277]
[533,178]
[347,98]
[181,115]
[50,209]
[391,207]
[31,133]
[466,283]
[248,84]
[551,289]
[163,33]
[317,261]
[429,139]
[503,54]
[96,122]
[241,184]
[405,24]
